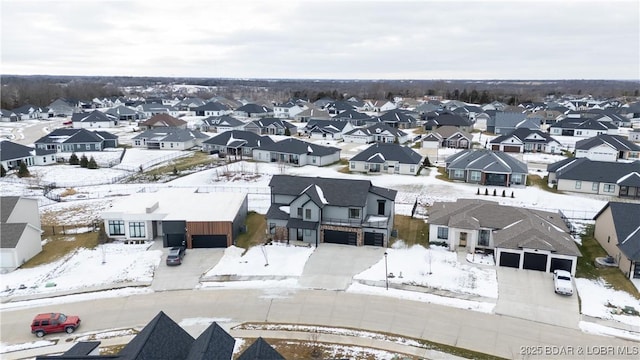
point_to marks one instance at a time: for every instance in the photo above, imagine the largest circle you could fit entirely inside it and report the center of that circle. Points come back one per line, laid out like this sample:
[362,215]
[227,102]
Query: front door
[463,239]
[300,235]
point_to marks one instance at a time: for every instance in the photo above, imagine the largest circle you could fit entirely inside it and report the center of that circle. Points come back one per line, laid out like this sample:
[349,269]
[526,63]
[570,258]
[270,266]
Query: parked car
[562,282]
[175,255]
[49,323]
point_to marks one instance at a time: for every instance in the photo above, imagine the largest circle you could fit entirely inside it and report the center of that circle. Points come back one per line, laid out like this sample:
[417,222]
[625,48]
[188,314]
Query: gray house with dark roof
[617,229]
[486,167]
[94,119]
[237,143]
[221,124]
[271,126]
[163,339]
[212,108]
[582,127]
[253,111]
[12,154]
[297,152]
[66,140]
[523,140]
[125,113]
[380,133]
[386,158]
[397,118]
[519,238]
[606,147]
[596,177]
[8,116]
[327,129]
[169,138]
[19,231]
[507,122]
[354,117]
[324,210]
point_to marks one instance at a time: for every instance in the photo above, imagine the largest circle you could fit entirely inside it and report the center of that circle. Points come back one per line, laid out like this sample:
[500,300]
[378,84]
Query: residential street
[493,334]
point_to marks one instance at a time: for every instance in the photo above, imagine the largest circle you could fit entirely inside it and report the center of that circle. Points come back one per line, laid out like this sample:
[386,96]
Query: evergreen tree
[23,171]
[287,132]
[84,162]
[73,159]
[426,162]
[92,163]
[3,171]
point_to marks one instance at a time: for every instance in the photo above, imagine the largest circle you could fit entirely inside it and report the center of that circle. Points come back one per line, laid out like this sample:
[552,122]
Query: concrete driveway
[187,275]
[333,266]
[529,294]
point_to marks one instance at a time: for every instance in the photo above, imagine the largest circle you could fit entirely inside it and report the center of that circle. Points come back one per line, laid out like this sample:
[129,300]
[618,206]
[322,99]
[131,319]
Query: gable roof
[254,109]
[213,344]
[447,131]
[614,141]
[523,135]
[313,112]
[579,123]
[627,226]
[509,119]
[352,114]
[585,169]
[337,192]
[332,126]
[161,338]
[10,151]
[94,116]
[164,120]
[514,228]
[448,118]
[270,121]
[260,350]
[171,134]
[75,136]
[378,128]
[295,146]
[251,139]
[397,116]
[486,160]
[382,152]
[224,120]
[121,110]
[211,106]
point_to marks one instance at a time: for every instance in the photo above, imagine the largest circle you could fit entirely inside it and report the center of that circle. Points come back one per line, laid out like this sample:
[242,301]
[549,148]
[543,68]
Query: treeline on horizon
[42,90]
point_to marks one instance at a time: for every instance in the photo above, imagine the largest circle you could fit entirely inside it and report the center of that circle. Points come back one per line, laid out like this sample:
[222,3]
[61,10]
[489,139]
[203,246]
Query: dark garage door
[510,260]
[512,149]
[374,239]
[173,240]
[340,237]
[562,264]
[209,241]
[535,261]
[496,179]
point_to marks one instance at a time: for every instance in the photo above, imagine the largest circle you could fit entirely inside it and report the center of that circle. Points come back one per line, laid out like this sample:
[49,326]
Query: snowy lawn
[436,268]
[599,300]
[113,263]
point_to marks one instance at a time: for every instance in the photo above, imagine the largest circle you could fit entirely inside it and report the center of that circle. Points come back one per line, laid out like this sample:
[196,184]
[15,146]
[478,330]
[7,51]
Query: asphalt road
[503,336]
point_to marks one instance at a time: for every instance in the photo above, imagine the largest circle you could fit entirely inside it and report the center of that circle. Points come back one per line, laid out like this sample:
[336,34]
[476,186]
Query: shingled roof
[382,152]
[295,146]
[486,160]
[627,226]
[585,169]
[164,120]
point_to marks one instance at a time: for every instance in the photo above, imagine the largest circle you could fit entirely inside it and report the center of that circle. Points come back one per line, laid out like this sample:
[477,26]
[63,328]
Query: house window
[307,213]
[595,186]
[516,179]
[137,142]
[412,168]
[474,176]
[307,232]
[161,144]
[366,166]
[352,165]
[116,227]
[136,230]
[381,206]
[443,233]
[609,188]
[458,174]
[300,212]
[354,213]
[272,228]
[578,184]
[87,146]
[483,238]
[44,159]
[171,145]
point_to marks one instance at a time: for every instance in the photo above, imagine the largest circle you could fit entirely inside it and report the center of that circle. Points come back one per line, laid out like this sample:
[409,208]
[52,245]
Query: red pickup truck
[54,322]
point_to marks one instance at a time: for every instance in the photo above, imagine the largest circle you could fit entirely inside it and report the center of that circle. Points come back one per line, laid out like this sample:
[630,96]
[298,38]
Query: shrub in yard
[73,159]
[504,194]
[494,192]
[92,163]
[175,170]
[478,192]
[512,194]
[426,162]
[486,191]
[23,171]
[287,132]
[3,171]
[84,162]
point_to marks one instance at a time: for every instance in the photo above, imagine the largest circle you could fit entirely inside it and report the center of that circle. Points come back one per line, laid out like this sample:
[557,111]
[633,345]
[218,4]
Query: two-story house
[325,210]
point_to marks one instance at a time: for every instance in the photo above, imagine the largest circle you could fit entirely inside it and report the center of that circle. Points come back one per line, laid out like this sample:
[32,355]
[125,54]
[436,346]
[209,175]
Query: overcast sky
[328,39]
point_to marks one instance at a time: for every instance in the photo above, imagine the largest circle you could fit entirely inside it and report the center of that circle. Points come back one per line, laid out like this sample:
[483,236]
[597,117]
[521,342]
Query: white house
[20,231]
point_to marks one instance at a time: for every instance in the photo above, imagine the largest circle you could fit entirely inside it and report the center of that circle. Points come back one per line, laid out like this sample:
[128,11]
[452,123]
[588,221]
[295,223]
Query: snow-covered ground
[137,264]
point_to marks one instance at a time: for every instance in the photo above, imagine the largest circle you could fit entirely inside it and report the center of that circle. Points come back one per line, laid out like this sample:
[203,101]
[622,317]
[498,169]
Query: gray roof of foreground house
[627,225]
[382,152]
[514,228]
[615,141]
[584,169]
[213,344]
[295,146]
[260,350]
[251,139]
[10,151]
[171,134]
[487,161]
[337,192]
